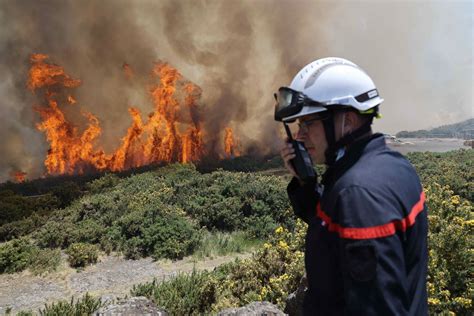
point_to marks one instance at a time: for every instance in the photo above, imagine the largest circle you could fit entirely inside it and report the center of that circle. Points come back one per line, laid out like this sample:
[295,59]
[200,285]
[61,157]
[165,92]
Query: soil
[109,279]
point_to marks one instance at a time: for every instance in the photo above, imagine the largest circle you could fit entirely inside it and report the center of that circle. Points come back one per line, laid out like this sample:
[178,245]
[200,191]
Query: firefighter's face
[311,132]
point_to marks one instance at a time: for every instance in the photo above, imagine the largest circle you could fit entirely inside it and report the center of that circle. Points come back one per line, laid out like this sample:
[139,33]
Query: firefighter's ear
[351,122]
[362,261]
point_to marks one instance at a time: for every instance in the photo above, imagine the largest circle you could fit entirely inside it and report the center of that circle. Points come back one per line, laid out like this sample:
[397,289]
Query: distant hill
[464,130]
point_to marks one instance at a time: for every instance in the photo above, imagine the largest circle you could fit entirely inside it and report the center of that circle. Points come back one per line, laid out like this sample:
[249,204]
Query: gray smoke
[239,52]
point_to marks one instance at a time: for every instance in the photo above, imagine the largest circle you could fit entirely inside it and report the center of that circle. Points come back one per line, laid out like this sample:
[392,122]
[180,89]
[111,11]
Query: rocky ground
[113,277]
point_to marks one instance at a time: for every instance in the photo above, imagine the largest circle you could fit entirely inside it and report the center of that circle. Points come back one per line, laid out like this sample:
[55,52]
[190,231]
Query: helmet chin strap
[333,145]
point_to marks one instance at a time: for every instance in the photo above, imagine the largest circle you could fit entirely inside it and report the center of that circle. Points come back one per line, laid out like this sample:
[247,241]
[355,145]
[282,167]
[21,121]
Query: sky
[419,54]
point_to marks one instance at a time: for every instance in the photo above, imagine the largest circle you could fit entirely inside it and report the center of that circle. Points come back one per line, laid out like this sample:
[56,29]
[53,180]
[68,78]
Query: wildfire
[231,144]
[172,132]
[18,176]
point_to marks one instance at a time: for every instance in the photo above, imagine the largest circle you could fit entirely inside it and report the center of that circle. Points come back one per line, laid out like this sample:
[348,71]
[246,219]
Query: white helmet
[331,82]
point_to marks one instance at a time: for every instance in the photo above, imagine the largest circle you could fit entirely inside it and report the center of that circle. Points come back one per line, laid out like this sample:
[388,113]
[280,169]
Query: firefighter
[366,243]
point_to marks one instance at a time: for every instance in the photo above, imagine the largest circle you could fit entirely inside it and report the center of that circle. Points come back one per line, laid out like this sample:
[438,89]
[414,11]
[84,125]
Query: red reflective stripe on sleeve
[373,231]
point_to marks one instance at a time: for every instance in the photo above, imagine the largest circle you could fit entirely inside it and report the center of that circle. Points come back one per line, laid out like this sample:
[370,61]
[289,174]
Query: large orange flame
[231,144]
[172,131]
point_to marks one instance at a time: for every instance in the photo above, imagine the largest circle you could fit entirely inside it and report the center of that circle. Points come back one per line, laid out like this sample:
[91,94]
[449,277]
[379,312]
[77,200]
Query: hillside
[464,130]
[177,211]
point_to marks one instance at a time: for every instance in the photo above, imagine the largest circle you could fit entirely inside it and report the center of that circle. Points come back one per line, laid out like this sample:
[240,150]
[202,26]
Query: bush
[67,192]
[80,254]
[22,227]
[86,305]
[229,201]
[55,234]
[107,181]
[184,294]
[454,168]
[15,255]
[17,207]
[147,233]
[450,241]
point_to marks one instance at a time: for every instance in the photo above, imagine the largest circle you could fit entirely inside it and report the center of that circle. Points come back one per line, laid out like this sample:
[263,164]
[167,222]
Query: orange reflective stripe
[373,231]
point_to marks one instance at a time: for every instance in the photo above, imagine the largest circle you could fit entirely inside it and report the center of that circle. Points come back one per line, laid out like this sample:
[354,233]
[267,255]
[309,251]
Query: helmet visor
[291,103]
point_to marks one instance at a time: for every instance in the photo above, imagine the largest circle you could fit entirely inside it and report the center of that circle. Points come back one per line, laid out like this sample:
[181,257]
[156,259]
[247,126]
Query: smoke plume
[239,52]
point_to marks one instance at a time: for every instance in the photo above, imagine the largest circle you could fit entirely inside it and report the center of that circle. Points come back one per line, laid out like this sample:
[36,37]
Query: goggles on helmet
[291,102]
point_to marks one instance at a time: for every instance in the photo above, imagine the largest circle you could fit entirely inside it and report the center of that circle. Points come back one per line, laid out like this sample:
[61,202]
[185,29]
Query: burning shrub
[81,254]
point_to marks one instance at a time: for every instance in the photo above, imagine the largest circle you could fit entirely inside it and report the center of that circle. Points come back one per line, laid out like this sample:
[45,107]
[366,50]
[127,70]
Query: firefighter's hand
[287,153]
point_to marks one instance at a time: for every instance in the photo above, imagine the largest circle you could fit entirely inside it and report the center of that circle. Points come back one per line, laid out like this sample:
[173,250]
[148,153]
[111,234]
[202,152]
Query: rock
[132,306]
[294,302]
[253,309]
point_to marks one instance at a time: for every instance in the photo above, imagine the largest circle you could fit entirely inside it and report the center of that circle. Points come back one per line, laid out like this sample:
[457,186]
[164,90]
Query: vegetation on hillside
[176,210]
[167,213]
[464,129]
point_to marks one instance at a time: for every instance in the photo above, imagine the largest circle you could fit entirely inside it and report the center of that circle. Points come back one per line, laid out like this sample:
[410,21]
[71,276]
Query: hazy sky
[419,53]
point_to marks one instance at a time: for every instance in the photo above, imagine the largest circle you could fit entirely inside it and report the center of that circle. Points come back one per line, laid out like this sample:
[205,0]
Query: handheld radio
[302,163]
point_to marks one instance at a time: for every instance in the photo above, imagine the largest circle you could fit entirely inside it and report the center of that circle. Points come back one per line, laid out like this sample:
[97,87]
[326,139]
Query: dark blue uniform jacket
[366,245]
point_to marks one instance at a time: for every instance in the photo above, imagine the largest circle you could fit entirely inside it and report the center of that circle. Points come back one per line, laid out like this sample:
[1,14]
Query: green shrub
[15,255]
[17,207]
[67,192]
[110,240]
[184,294]
[171,237]
[234,201]
[21,227]
[450,241]
[86,231]
[55,234]
[107,181]
[146,233]
[80,254]
[134,248]
[86,305]
[454,168]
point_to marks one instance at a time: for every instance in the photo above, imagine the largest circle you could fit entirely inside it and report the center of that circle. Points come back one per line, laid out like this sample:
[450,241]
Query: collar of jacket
[351,156]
